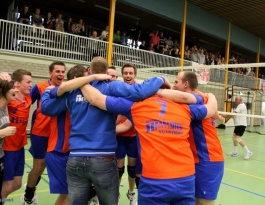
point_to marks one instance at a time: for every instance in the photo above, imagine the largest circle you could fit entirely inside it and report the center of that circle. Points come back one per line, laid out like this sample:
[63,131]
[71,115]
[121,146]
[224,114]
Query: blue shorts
[38,146]
[138,165]
[208,179]
[56,167]
[166,191]
[14,162]
[126,146]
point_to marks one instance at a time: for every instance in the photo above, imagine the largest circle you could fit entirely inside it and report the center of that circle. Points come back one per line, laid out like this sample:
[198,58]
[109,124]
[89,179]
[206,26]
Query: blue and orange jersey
[204,141]
[18,112]
[60,131]
[40,123]
[163,128]
[130,133]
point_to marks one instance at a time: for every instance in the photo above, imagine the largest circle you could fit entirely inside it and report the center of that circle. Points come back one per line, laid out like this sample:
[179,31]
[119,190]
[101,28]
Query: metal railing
[30,40]
[23,38]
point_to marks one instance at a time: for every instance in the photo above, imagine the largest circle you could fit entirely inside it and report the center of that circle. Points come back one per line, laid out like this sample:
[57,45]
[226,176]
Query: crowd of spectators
[154,41]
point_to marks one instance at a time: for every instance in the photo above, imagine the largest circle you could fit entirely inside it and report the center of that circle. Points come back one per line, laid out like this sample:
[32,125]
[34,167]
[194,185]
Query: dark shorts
[208,178]
[239,130]
[56,167]
[126,146]
[14,162]
[38,146]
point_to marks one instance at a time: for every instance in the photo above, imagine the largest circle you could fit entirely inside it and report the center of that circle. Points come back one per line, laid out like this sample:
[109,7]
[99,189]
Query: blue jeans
[82,172]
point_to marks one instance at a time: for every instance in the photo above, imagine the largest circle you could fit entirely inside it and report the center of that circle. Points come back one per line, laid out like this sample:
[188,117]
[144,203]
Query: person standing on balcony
[135,34]
[104,34]
[49,21]
[59,23]
[24,16]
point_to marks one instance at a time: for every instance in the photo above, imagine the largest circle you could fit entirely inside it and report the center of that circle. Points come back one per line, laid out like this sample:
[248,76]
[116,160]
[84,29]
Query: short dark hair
[76,71]
[191,78]
[129,65]
[17,75]
[5,86]
[51,67]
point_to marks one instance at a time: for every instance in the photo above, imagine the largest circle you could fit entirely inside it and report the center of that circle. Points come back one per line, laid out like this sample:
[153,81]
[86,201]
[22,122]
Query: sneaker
[34,200]
[232,154]
[248,154]
[132,198]
[95,200]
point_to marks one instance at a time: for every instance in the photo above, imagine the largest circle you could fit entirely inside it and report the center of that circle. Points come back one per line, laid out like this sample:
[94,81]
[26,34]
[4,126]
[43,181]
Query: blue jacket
[93,131]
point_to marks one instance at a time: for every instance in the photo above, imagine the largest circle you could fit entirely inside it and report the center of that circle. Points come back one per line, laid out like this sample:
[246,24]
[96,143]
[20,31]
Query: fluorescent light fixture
[120,13]
[169,29]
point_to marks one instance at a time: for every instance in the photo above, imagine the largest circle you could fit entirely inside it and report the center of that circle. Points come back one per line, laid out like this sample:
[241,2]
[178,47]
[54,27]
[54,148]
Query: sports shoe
[95,201]
[248,154]
[34,200]
[232,154]
[132,198]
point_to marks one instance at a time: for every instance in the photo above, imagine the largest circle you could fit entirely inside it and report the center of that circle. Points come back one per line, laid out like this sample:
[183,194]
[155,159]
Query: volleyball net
[212,78]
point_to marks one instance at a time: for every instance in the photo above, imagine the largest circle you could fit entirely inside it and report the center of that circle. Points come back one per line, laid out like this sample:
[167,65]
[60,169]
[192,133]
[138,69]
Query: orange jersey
[130,133]
[60,131]
[18,112]
[40,122]
[204,141]
[163,128]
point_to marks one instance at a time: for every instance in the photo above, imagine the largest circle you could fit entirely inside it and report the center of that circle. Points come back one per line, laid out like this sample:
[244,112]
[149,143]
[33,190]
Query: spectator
[169,42]
[49,21]
[80,28]
[104,34]
[59,23]
[161,42]
[154,37]
[143,46]
[94,35]
[124,39]
[68,25]
[117,37]
[37,19]
[24,16]
[135,34]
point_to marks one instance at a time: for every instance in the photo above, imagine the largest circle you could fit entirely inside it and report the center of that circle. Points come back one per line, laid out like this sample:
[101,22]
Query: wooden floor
[243,182]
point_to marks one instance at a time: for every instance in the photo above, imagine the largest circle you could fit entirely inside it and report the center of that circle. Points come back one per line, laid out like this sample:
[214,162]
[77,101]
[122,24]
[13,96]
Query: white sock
[235,149]
[130,192]
[246,149]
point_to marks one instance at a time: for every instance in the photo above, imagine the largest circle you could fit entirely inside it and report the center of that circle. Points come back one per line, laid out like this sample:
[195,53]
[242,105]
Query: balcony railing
[30,40]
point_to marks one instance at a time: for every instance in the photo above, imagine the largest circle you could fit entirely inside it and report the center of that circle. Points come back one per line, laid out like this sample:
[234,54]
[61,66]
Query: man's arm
[211,106]
[52,107]
[137,92]
[177,96]
[112,104]
[78,82]
[94,96]
[123,127]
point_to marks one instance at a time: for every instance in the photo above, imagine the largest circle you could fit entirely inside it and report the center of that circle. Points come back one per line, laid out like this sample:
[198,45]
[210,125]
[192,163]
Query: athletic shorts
[166,191]
[14,162]
[208,178]
[56,167]
[239,130]
[38,146]
[126,146]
